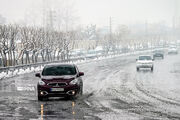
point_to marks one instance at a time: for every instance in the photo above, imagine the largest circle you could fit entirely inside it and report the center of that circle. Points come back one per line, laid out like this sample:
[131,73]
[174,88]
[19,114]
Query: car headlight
[73,82]
[41,82]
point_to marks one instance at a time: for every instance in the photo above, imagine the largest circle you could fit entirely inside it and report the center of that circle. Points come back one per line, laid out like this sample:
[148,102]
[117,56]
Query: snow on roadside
[35,69]
[18,72]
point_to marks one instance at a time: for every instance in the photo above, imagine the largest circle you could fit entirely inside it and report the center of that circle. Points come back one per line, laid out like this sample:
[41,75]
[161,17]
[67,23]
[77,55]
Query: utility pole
[146,29]
[67,21]
[51,17]
[176,19]
[147,34]
[110,33]
[44,14]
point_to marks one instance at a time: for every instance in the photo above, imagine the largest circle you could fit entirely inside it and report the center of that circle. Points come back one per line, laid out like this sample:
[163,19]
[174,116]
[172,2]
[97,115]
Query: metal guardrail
[18,67]
[25,66]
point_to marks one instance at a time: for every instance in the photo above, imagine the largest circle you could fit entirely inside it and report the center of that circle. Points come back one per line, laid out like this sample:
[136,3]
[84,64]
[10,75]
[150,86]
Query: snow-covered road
[113,90]
[124,93]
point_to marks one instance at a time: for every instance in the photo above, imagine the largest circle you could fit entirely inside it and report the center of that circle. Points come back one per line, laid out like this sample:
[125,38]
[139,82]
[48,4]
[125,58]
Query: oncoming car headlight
[73,82]
[41,82]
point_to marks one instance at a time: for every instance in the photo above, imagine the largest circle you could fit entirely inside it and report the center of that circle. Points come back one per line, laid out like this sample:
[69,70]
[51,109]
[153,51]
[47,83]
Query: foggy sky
[94,11]
[127,11]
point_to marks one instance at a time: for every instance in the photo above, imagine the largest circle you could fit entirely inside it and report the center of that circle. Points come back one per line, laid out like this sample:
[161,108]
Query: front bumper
[45,91]
[158,56]
[144,66]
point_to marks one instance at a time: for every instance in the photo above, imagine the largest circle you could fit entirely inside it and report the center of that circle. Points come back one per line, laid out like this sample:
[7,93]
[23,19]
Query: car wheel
[81,91]
[152,68]
[79,94]
[137,69]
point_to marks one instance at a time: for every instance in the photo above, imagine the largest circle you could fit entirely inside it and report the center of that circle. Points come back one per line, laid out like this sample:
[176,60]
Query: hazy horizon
[93,11]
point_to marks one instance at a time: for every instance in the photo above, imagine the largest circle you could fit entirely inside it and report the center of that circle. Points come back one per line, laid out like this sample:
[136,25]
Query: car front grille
[58,84]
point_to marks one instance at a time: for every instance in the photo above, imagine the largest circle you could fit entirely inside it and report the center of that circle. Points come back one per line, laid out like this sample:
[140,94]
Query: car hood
[58,78]
[144,61]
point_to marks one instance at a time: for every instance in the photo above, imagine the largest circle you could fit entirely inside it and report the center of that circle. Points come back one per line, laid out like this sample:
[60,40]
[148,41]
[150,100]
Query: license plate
[57,89]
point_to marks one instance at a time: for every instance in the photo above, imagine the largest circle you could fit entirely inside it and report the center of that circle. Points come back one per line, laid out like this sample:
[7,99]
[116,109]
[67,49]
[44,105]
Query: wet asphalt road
[112,90]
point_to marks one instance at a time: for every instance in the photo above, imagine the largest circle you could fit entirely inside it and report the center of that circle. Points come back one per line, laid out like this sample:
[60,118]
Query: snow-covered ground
[113,90]
[121,92]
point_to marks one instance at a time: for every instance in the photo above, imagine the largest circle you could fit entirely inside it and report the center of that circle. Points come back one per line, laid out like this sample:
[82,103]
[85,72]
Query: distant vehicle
[173,50]
[76,53]
[99,50]
[60,80]
[158,54]
[91,54]
[144,61]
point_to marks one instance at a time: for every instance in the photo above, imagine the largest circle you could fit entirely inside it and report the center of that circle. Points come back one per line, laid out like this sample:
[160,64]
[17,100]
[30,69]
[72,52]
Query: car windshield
[59,70]
[144,57]
[158,51]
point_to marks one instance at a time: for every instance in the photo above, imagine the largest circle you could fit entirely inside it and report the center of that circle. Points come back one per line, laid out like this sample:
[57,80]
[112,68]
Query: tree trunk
[27,58]
[2,59]
[14,59]
[22,58]
[5,59]
[42,55]
[36,57]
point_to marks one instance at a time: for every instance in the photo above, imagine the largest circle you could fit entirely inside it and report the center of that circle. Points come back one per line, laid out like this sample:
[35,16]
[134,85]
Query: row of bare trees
[24,45]
[137,36]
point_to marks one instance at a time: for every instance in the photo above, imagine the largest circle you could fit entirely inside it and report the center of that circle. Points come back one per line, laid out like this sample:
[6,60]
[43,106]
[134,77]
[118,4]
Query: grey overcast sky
[95,11]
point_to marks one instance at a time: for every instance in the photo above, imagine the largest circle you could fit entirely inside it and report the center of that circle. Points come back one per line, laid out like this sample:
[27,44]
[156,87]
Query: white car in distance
[173,50]
[144,61]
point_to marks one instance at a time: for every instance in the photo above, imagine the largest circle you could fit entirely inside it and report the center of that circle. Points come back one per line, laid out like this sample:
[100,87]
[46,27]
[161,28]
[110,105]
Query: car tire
[137,69]
[152,68]
[81,91]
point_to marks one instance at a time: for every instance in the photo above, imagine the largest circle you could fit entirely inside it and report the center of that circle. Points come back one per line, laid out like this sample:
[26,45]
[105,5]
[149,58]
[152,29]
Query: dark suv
[60,80]
[158,54]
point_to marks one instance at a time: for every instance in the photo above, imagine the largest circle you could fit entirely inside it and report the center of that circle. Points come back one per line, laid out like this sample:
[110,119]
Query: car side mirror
[81,73]
[38,75]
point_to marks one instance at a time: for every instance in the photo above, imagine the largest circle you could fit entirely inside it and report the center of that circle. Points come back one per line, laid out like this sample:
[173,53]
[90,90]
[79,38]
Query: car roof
[59,64]
[158,51]
[145,55]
